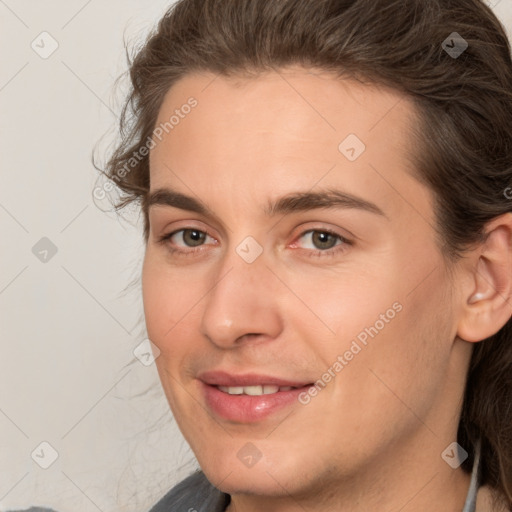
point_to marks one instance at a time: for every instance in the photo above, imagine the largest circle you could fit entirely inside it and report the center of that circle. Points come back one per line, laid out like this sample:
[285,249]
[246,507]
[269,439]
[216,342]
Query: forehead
[291,125]
[293,100]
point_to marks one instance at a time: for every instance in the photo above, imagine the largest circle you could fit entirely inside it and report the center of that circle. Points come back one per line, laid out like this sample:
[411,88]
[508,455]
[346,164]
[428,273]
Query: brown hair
[463,140]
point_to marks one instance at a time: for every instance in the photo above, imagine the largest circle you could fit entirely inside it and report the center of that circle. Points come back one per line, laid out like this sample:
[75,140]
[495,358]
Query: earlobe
[489,304]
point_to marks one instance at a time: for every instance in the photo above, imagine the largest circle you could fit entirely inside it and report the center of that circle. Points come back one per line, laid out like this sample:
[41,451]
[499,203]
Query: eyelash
[331,252]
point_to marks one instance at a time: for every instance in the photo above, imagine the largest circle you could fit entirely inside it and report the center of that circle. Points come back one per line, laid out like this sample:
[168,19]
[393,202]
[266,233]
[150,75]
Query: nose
[242,304]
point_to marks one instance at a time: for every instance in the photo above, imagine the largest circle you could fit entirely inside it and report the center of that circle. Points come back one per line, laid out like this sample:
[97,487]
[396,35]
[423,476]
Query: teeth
[267,389]
[254,390]
[232,390]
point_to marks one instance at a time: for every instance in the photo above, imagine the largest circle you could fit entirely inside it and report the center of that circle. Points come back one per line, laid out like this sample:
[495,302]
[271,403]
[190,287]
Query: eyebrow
[290,203]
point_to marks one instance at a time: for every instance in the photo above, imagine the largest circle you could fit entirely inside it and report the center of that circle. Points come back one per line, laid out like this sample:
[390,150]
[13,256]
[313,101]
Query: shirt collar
[470,505]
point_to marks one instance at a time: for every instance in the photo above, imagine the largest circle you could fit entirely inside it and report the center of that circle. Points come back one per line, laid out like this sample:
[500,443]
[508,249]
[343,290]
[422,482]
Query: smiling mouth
[266,389]
[248,402]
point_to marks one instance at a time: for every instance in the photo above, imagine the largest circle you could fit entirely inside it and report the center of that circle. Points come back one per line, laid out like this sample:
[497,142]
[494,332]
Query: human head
[462,140]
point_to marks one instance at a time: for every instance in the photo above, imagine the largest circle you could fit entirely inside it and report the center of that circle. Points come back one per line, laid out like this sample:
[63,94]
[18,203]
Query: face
[304,257]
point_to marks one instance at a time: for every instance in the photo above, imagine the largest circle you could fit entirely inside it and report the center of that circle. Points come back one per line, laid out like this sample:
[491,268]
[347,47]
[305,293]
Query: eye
[324,242]
[190,237]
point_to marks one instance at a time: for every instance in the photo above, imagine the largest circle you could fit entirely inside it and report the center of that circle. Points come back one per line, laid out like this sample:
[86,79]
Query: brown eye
[190,238]
[323,239]
[193,237]
[319,243]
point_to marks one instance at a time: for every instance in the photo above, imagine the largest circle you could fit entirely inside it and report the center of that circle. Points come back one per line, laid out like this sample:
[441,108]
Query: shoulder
[194,494]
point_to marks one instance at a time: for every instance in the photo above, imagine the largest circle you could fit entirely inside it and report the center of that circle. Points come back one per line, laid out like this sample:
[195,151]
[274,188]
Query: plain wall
[69,320]
[68,326]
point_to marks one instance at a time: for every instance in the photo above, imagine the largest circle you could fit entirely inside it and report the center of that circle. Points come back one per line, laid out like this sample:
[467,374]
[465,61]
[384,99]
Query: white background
[68,326]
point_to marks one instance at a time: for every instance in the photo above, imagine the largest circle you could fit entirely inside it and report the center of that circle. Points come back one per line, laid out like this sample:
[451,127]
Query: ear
[487,299]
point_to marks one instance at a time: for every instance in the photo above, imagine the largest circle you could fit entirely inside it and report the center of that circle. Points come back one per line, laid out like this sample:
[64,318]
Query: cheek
[407,361]
[395,343]
[164,316]
[157,297]
[333,308]
[168,310]
[171,300]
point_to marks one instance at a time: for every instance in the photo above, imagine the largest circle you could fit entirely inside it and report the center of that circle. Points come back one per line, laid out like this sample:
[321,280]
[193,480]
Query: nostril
[250,334]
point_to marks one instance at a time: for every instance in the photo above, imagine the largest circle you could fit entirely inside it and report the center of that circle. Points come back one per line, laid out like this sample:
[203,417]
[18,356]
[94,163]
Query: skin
[372,438]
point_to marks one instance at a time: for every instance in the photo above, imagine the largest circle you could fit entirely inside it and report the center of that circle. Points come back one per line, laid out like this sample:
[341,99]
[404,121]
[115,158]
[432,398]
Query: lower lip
[247,408]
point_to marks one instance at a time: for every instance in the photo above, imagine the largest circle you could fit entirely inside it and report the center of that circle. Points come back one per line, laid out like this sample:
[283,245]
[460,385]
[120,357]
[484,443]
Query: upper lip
[222,378]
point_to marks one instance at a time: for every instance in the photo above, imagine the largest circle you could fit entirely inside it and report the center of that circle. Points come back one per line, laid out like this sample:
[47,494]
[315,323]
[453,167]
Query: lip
[247,408]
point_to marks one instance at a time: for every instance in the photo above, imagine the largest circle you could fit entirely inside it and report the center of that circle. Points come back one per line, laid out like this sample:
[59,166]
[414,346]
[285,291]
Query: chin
[267,475]
[251,481]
